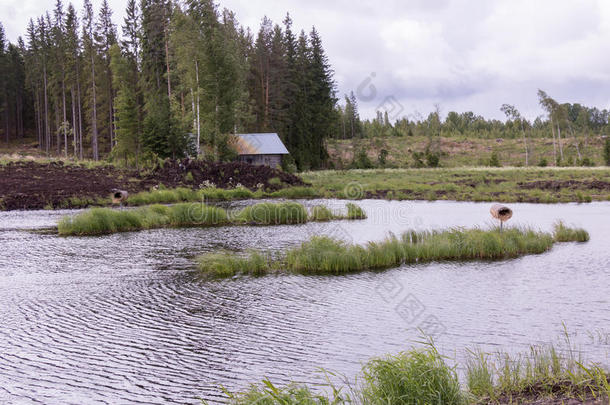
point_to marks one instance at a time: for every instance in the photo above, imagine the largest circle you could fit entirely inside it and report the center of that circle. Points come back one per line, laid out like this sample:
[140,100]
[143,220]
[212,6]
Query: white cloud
[463,54]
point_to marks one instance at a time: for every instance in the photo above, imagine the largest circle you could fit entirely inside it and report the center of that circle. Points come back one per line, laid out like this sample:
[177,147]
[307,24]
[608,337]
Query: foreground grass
[103,221]
[422,376]
[532,184]
[323,255]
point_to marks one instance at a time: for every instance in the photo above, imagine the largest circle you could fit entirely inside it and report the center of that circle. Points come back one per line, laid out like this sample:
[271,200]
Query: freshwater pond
[126,318]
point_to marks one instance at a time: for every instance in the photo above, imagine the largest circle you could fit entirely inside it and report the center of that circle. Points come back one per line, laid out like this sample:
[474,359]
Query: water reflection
[125,318]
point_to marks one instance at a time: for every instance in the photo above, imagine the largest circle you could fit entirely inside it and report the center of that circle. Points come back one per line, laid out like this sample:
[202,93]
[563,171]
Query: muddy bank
[28,185]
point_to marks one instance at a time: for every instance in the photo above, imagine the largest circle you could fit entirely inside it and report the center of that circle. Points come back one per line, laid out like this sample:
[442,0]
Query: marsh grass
[355,212]
[103,221]
[228,264]
[324,255]
[545,372]
[562,233]
[273,214]
[422,376]
[165,196]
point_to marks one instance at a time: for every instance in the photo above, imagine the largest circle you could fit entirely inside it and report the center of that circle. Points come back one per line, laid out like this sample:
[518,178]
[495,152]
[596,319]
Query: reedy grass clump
[355,212]
[228,264]
[414,377]
[103,221]
[421,376]
[562,233]
[275,214]
[166,196]
[324,255]
[545,371]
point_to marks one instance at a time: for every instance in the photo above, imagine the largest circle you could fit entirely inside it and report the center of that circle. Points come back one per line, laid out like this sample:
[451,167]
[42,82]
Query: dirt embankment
[28,185]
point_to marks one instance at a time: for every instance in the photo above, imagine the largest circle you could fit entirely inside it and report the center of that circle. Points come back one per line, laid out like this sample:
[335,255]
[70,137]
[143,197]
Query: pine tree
[90,56]
[322,100]
[105,36]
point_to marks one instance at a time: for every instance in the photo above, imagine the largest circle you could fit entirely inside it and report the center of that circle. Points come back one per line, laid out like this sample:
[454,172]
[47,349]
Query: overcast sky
[405,56]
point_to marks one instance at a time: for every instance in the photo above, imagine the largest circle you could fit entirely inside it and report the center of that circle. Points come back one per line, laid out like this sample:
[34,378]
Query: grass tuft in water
[273,214]
[355,212]
[324,255]
[103,221]
[228,264]
[562,233]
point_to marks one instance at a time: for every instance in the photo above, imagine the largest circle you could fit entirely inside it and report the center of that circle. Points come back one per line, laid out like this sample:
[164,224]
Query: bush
[494,160]
[362,161]
[607,151]
[383,157]
[543,163]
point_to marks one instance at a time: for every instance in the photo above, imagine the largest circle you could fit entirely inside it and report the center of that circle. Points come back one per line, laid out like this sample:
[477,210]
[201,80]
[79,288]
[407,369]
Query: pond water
[126,319]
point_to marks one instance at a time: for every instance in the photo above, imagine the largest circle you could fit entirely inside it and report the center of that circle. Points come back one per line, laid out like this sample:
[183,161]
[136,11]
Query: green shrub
[607,151]
[494,160]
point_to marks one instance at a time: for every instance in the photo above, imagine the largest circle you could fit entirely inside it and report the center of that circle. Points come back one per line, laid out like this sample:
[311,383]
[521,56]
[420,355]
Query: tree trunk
[559,141]
[96,155]
[74,131]
[80,116]
[198,116]
[47,127]
[554,144]
[65,122]
[525,144]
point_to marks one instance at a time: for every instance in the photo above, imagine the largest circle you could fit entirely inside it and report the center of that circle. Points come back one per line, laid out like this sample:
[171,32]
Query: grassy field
[537,185]
[545,375]
[322,255]
[465,151]
[104,221]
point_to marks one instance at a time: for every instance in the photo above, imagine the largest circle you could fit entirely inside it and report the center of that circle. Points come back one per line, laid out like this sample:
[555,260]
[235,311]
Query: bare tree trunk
[559,141]
[80,118]
[74,129]
[46,112]
[38,123]
[65,122]
[198,116]
[554,144]
[525,144]
[96,155]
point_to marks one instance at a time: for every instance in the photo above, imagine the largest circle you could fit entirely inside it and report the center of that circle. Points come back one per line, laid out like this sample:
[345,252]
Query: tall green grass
[422,376]
[414,377]
[102,221]
[165,196]
[546,371]
[562,233]
[323,255]
[274,214]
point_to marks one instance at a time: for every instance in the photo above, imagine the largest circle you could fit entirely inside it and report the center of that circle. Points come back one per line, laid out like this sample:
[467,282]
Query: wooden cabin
[261,149]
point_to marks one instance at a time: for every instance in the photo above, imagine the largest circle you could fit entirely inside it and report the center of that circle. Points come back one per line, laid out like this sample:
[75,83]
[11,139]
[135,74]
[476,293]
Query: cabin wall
[262,160]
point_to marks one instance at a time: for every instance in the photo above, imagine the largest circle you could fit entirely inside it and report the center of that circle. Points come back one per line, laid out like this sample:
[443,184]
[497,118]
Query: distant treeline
[573,121]
[181,76]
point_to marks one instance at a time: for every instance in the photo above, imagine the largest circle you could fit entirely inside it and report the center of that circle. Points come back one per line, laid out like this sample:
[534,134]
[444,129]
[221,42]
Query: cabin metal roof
[260,144]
